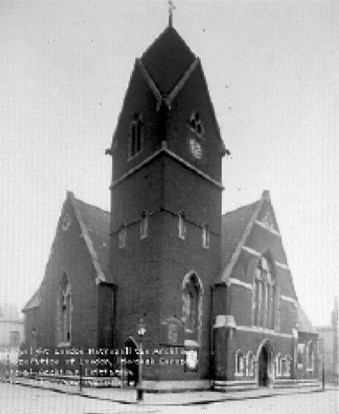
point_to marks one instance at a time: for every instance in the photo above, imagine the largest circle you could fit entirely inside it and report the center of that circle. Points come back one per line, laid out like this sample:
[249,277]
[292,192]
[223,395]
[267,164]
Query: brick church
[216,286]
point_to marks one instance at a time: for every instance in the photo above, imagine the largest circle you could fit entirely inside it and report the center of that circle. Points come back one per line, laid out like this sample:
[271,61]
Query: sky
[271,68]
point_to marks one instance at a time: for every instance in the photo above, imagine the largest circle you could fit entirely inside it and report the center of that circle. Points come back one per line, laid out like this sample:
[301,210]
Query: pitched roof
[34,302]
[304,324]
[234,224]
[95,224]
[167,59]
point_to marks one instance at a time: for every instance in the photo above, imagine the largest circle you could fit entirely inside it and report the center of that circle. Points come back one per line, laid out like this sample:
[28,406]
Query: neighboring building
[218,287]
[11,327]
[11,335]
[328,346]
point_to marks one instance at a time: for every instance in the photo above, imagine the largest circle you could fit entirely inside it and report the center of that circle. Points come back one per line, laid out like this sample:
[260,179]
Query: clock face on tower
[195,148]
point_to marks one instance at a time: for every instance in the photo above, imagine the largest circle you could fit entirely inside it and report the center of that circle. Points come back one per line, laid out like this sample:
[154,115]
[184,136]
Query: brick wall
[106,315]
[193,97]
[139,98]
[69,255]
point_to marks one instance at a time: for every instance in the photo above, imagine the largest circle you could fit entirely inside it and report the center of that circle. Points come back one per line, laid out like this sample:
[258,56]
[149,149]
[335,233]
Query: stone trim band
[165,150]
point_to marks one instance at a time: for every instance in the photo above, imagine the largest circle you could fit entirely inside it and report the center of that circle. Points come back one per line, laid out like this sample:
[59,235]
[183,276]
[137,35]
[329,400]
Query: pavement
[128,395]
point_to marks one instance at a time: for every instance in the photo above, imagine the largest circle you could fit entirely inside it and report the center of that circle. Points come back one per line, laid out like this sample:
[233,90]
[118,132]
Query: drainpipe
[295,353]
[211,345]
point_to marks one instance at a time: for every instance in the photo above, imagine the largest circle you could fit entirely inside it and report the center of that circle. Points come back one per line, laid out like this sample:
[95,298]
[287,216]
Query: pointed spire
[171,7]
[266,195]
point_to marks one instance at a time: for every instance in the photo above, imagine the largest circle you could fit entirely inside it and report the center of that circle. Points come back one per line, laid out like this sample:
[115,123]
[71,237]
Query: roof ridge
[35,296]
[241,207]
[181,82]
[227,271]
[89,243]
[92,205]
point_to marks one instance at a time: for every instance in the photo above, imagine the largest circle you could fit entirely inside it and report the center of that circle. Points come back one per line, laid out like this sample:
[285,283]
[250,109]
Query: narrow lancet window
[135,135]
[239,363]
[191,299]
[206,237]
[122,236]
[64,322]
[264,295]
[181,226]
[143,225]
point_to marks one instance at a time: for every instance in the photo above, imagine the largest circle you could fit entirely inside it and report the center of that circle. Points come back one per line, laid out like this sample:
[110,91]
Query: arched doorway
[264,364]
[132,367]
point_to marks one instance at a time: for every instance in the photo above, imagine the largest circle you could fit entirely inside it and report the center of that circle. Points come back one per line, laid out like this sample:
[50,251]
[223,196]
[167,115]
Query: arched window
[258,286]
[191,306]
[278,365]
[250,364]
[206,237]
[310,356]
[181,226]
[267,220]
[136,135]
[300,355]
[143,225]
[64,323]
[239,363]
[195,123]
[66,222]
[285,366]
[287,371]
[264,294]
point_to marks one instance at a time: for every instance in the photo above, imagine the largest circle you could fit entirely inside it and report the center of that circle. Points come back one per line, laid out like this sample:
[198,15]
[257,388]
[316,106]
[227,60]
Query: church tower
[166,206]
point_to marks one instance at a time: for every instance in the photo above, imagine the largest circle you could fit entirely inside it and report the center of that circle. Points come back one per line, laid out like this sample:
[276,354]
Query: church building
[216,287]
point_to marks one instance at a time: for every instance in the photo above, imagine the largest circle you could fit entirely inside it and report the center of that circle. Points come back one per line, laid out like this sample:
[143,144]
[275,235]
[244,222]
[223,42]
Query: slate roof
[167,59]
[34,302]
[97,222]
[234,224]
[304,324]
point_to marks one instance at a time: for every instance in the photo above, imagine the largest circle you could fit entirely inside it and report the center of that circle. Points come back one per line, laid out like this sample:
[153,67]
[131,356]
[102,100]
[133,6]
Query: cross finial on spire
[171,7]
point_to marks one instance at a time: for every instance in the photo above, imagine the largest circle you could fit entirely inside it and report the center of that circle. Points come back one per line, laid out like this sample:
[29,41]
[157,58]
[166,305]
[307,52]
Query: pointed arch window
[143,225]
[250,364]
[181,226]
[135,135]
[267,220]
[206,236]
[300,355]
[277,361]
[310,356]
[191,305]
[64,323]
[285,366]
[66,222]
[239,363]
[196,124]
[264,294]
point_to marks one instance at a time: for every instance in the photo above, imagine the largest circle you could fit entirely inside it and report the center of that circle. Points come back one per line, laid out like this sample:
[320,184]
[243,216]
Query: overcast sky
[271,68]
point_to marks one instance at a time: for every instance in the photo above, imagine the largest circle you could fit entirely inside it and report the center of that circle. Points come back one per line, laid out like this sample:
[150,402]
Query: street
[16,399]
